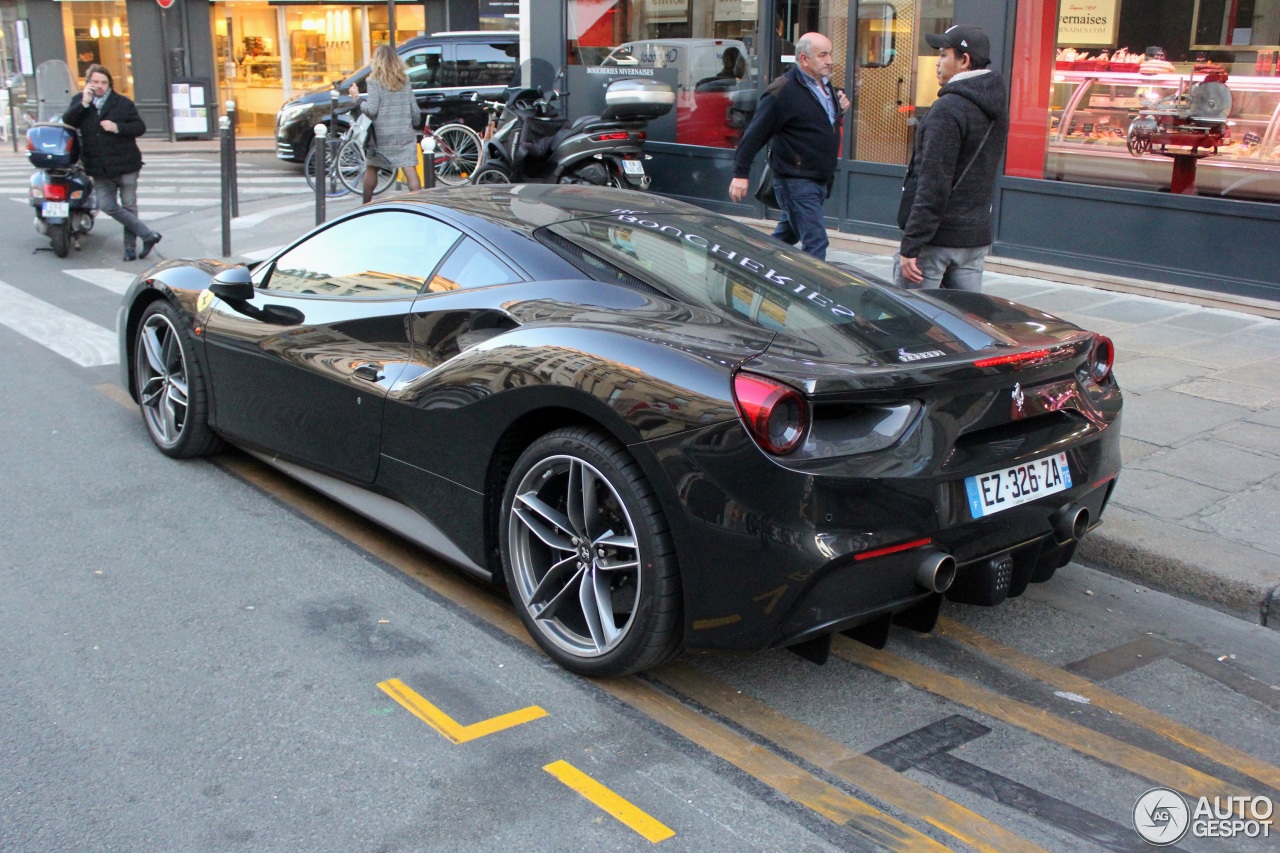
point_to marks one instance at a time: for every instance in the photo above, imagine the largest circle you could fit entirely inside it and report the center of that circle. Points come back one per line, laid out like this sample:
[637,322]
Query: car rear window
[720,265]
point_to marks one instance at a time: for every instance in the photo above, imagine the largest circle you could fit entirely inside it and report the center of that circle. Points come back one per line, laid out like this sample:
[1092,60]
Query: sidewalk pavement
[1196,511]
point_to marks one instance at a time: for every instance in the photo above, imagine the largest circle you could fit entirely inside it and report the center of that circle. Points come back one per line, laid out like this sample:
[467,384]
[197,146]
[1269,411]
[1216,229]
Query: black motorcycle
[61,192]
[534,143]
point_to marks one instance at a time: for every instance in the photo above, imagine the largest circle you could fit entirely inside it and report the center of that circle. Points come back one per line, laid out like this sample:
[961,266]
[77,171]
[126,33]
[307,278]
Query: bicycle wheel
[457,154]
[351,163]
[333,184]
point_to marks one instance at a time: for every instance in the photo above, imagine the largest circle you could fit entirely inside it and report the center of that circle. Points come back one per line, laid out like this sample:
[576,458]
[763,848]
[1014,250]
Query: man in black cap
[945,212]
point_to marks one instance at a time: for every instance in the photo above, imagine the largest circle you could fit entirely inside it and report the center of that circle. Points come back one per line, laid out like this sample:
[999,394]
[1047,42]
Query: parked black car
[657,425]
[444,68]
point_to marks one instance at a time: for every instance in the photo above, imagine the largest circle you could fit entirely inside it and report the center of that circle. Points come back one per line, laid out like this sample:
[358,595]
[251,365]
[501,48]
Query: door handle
[370,371]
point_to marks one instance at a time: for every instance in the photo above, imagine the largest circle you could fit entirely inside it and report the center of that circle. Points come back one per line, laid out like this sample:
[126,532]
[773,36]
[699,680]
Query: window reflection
[386,253]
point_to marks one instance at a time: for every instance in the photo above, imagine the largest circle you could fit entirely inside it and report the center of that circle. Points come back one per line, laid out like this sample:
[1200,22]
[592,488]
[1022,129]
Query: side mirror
[233,284]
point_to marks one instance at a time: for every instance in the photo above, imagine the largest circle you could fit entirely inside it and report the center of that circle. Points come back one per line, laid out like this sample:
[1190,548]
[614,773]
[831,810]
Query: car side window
[470,265]
[379,254]
[484,64]
[426,68]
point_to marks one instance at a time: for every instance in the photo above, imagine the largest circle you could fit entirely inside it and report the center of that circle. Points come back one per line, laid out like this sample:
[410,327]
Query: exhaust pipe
[936,571]
[1073,524]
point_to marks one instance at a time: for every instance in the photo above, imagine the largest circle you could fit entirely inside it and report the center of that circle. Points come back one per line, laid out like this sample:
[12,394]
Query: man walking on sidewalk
[945,212]
[109,127]
[800,116]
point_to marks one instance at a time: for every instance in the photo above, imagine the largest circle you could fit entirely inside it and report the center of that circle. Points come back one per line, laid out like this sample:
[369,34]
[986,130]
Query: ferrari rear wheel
[588,558]
[171,386]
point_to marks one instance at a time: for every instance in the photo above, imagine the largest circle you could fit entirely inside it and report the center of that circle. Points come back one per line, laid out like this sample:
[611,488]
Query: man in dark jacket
[945,213]
[109,127]
[800,115]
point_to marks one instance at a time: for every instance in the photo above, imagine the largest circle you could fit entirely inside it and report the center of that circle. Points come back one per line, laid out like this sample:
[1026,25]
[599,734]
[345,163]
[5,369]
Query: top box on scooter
[53,146]
[637,99]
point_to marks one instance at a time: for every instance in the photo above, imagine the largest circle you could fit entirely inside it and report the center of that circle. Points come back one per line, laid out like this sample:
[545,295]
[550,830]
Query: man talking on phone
[109,127]
[800,116]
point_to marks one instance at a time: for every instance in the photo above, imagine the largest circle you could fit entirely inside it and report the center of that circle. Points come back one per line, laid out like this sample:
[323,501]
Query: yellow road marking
[1080,738]
[643,824]
[771,769]
[115,392]
[870,775]
[1138,714]
[446,725]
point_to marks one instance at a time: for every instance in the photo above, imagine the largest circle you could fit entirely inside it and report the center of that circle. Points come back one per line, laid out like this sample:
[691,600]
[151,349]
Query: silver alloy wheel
[162,379]
[574,555]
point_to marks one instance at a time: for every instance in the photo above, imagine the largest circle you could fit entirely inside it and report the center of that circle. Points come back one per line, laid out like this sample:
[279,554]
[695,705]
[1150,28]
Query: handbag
[764,193]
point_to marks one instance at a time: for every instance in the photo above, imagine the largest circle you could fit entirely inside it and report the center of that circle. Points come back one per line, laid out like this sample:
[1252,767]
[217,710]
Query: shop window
[249,66]
[876,26]
[1111,98]
[703,49]
[98,33]
[324,44]
[411,21]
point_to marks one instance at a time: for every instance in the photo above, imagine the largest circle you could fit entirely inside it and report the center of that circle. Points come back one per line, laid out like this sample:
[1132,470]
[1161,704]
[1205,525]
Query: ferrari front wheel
[588,558]
[171,387]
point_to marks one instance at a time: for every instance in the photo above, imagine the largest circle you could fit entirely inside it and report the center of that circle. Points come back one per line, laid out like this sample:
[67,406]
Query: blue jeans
[801,202]
[124,211]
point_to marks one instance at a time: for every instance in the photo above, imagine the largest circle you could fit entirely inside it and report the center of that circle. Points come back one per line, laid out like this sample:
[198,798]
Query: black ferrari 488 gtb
[657,426]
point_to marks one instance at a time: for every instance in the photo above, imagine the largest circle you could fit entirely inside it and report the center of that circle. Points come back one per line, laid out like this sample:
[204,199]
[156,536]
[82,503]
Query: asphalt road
[205,656]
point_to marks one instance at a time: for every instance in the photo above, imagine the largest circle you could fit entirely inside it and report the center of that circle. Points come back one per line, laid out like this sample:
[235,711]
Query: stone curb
[1236,579]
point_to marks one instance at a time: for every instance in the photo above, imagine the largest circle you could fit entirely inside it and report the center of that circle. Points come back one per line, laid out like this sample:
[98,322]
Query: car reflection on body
[658,427]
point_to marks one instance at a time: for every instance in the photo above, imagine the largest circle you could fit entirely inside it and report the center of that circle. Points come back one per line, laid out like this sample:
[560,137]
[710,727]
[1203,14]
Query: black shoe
[130,255]
[148,243]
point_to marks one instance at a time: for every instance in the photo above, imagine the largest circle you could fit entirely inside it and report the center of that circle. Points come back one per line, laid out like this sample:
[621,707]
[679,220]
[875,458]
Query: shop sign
[1087,23]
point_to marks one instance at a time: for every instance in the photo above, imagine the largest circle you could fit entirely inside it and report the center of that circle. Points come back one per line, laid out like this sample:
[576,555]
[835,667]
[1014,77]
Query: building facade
[1072,192]
[259,53]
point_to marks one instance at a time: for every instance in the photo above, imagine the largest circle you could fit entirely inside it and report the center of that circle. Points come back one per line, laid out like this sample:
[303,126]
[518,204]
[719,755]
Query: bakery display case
[1089,117]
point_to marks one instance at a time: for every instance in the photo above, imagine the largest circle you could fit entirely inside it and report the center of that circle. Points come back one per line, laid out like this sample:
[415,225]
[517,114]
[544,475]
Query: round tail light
[776,415]
[1101,359]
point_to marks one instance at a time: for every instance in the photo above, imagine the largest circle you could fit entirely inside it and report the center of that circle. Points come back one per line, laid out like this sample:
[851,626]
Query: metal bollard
[224,131]
[322,169]
[428,162]
[235,170]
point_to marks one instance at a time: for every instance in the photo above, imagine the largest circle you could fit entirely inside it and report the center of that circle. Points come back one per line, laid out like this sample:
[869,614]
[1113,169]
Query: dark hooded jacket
[107,155]
[790,118]
[942,203]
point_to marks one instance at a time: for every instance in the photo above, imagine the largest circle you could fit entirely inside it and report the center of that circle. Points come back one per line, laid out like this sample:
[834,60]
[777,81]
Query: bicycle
[344,162]
[457,154]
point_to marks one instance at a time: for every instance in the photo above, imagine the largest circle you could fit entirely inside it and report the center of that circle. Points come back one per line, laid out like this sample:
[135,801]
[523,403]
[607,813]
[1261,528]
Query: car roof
[487,35]
[527,207]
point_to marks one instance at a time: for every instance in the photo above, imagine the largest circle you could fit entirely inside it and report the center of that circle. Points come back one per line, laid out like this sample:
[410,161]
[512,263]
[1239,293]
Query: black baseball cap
[963,39]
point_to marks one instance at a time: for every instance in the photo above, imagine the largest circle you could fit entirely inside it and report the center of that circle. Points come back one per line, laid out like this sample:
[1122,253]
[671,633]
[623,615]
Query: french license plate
[1017,485]
[633,167]
[56,209]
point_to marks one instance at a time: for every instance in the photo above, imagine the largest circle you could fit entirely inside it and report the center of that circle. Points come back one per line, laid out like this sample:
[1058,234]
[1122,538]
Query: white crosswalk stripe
[175,184]
[67,334]
[116,281]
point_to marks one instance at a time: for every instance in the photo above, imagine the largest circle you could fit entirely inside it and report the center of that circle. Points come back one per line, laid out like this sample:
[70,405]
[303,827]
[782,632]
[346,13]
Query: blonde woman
[394,110]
